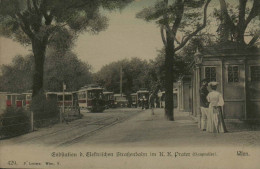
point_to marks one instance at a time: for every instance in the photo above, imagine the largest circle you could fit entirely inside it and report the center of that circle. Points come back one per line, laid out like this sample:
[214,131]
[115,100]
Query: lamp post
[198,63]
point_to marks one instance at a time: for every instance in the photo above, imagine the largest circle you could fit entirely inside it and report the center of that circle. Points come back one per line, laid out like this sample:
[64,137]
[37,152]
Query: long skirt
[215,121]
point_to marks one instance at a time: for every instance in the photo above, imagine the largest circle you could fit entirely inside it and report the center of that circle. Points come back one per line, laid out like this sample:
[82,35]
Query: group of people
[211,104]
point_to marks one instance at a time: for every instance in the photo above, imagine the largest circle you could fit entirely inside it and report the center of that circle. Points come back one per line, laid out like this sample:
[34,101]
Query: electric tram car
[143,98]
[11,99]
[120,100]
[91,97]
[109,99]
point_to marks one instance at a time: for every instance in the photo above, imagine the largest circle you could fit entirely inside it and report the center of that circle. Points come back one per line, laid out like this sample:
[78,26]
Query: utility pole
[121,85]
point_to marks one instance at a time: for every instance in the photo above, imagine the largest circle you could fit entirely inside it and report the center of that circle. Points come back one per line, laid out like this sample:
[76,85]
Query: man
[204,104]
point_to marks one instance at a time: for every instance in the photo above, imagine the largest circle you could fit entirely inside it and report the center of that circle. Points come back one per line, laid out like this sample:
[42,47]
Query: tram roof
[120,95]
[90,88]
[61,93]
[143,91]
[108,92]
[13,94]
[27,93]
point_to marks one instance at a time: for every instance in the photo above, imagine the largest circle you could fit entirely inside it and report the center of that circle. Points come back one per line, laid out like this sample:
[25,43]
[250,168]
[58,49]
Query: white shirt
[215,99]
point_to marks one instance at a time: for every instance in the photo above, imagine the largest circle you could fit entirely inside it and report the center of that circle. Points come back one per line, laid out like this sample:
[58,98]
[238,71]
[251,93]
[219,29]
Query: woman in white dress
[215,123]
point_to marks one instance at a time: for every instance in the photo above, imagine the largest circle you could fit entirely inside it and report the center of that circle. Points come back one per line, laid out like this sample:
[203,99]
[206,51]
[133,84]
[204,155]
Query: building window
[233,74]
[255,73]
[210,73]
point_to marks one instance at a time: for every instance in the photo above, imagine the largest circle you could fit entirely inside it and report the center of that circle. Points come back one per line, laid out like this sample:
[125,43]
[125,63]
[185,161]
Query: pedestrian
[216,123]
[204,104]
[143,102]
[151,101]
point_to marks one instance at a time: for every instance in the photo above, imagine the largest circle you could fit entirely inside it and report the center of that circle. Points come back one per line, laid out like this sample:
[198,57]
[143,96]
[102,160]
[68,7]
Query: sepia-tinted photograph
[145,84]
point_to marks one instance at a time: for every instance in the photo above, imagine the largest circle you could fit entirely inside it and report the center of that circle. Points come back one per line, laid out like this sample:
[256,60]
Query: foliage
[44,108]
[59,68]
[17,76]
[138,74]
[178,18]
[66,68]
[237,19]
[179,22]
[134,75]
[15,121]
[43,23]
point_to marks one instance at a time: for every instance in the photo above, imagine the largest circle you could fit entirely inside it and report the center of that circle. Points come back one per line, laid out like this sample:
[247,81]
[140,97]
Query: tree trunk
[39,49]
[169,53]
[239,35]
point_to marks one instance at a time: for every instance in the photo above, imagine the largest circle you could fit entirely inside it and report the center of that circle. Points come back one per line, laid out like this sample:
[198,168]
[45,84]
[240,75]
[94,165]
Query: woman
[215,123]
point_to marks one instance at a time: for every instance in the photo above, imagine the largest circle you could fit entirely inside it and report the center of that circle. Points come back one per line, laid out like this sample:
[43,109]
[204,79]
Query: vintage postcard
[142,84]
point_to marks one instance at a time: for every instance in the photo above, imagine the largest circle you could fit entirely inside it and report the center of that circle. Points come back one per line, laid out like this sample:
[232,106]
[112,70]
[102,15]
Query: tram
[143,98]
[68,99]
[11,99]
[109,99]
[120,100]
[91,97]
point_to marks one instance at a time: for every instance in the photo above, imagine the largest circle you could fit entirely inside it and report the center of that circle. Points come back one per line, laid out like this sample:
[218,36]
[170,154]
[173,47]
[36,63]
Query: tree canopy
[179,22]
[17,76]
[237,18]
[42,23]
[134,75]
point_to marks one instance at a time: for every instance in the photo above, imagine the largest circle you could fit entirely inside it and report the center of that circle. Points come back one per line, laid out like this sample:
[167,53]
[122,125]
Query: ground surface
[136,127]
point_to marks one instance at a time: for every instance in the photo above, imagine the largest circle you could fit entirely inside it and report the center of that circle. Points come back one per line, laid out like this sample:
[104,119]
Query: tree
[234,21]
[173,18]
[40,23]
[156,72]
[17,76]
[67,68]
[59,68]
[134,75]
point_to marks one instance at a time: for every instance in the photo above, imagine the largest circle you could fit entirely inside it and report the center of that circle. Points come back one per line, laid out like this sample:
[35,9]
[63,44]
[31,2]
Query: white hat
[213,83]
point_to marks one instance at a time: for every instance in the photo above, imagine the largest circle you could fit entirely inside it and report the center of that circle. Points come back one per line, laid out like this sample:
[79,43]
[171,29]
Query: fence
[21,124]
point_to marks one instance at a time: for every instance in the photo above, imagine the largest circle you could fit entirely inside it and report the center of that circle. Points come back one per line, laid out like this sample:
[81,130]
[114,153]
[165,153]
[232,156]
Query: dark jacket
[203,97]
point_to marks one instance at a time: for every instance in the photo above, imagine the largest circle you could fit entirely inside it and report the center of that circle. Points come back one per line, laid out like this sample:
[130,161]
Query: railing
[11,128]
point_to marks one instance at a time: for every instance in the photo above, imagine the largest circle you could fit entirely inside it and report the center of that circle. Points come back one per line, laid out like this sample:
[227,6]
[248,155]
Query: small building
[184,93]
[238,72]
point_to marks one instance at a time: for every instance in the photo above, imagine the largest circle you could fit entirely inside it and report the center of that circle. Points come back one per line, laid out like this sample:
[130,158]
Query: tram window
[28,97]
[89,94]
[60,98]
[19,97]
[111,97]
[8,97]
[68,97]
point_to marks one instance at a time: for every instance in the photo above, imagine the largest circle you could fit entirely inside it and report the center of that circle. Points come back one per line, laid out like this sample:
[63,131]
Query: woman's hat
[204,80]
[213,83]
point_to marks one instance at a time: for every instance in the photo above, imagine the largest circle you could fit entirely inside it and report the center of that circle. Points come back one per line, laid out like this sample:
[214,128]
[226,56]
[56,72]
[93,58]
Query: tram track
[78,126]
[88,134]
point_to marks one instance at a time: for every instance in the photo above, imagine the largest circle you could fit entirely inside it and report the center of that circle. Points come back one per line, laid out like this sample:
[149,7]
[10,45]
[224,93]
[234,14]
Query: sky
[126,37]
